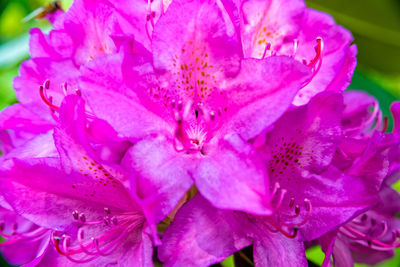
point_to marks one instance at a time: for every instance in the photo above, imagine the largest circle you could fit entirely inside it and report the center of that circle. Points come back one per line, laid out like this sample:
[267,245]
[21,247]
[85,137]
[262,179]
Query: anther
[308,204]
[212,115]
[297,209]
[179,105]
[64,88]
[364,217]
[295,45]
[107,210]
[78,92]
[82,217]
[81,233]
[75,214]
[46,84]
[291,203]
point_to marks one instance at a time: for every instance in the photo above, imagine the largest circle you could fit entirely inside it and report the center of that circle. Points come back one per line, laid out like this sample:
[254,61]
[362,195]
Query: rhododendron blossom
[201,127]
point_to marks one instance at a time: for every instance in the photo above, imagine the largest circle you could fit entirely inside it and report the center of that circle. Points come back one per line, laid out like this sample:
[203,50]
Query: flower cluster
[200,127]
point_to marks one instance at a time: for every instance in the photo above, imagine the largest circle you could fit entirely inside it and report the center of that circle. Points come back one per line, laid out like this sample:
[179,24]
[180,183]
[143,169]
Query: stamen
[267,48]
[64,88]
[318,50]
[14,237]
[368,235]
[75,214]
[295,46]
[82,217]
[45,99]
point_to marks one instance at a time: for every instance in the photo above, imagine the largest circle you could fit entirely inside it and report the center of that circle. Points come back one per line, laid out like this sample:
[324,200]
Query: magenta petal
[129,118]
[22,251]
[306,138]
[90,24]
[335,198]
[233,177]
[342,255]
[44,194]
[161,177]
[263,90]
[271,21]
[338,60]
[33,73]
[194,31]
[277,250]
[56,45]
[21,125]
[201,235]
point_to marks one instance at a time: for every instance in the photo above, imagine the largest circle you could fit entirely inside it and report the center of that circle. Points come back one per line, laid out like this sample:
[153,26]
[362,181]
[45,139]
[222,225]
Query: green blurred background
[374,23]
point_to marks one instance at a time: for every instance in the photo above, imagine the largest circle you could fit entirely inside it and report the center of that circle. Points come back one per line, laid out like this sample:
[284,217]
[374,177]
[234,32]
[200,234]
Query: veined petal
[231,176]
[274,249]
[103,85]
[262,92]
[271,22]
[161,177]
[338,56]
[201,235]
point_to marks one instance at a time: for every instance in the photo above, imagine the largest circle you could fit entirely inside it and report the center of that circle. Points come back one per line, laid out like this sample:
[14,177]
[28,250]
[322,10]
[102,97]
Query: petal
[262,91]
[342,255]
[335,198]
[33,73]
[161,175]
[139,17]
[21,125]
[201,235]
[90,25]
[357,115]
[277,250]
[305,138]
[338,61]
[102,84]
[40,191]
[192,32]
[231,176]
[72,140]
[56,45]
[271,22]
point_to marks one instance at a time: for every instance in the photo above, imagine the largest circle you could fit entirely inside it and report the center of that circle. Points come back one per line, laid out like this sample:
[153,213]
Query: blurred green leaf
[10,25]
[376,27]
[228,262]
[7,95]
[315,255]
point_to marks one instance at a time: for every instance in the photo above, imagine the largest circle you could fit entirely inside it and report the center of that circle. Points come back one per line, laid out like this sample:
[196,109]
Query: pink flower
[92,215]
[309,196]
[288,28]
[192,108]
